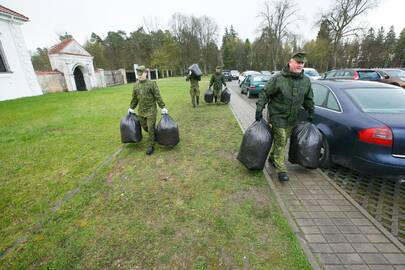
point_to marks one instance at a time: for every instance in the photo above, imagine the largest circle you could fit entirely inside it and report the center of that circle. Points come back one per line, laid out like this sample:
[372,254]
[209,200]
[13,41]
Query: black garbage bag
[226,96]
[167,131]
[256,144]
[130,127]
[195,70]
[305,145]
[209,96]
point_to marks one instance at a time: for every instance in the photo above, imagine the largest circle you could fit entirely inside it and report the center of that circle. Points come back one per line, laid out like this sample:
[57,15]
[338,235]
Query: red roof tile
[8,11]
[59,47]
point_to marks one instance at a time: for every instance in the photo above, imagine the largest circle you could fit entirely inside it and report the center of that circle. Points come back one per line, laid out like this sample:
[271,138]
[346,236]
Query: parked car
[265,72]
[254,84]
[234,74]
[274,72]
[227,75]
[394,76]
[353,74]
[362,124]
[246,73]
[312,73]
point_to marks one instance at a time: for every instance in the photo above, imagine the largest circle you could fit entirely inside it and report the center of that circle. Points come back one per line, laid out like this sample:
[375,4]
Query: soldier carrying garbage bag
[146,94]
[284,94]
[217,80]
[194,75]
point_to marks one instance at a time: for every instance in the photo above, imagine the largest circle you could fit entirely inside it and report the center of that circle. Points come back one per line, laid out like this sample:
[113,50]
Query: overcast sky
[82,17]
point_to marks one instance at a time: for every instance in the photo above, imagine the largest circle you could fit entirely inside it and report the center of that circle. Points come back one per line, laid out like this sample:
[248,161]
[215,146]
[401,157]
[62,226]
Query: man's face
[142,75]
[218,70]
[296,66]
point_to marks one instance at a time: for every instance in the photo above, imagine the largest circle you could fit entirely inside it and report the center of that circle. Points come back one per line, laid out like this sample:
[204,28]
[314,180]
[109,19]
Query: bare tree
[207,35]
[277,16]
[341,18]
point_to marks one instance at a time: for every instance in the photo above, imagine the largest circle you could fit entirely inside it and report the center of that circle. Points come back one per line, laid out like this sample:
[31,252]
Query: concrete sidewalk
[334,231]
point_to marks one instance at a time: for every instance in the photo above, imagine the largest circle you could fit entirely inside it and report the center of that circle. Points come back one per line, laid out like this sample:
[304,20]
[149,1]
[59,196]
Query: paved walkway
[334,231]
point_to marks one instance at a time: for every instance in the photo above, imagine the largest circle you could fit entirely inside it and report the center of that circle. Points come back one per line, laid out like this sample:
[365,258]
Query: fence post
[124,75]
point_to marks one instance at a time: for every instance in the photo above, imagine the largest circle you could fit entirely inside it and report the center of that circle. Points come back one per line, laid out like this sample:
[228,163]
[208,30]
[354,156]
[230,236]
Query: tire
[324,159]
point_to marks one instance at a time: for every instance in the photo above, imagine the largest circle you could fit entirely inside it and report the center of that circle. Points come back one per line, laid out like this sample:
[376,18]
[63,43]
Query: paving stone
[334,267]
[356,238]
[320,197]
[331,208]
[357,267]
[364,248]
[329,229]
[373,258]
[336,197]
[305,222]
[361,222]
[335,238]
[326,258]
[293,203]
[377,238]
[320,248]
[318,215]
[395,258]
[323,221]
[387,248]
[336,214]
[351,258]
[342,248]
[381,267]
[315,238]
[301,214]
[309,202]
[314,208]
[347,208]
[326,202]
[399,267]
[349,229]
[355,214]
[310,230]
[368,229]
[342,221]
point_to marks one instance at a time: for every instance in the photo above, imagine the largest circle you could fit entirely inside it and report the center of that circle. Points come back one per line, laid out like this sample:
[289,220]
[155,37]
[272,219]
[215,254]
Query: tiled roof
[59,47]
[8,11]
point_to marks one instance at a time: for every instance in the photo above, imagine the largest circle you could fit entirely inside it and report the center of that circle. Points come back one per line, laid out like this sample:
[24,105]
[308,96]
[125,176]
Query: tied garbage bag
[256,144]
[305,145]
[130,127]
[226,96]
[195,70]
[209,96]
[167,131]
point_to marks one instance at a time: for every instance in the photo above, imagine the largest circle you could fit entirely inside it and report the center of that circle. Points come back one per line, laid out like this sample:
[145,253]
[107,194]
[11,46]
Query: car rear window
[260,78]
[379,100]
[395,72]
[368,75]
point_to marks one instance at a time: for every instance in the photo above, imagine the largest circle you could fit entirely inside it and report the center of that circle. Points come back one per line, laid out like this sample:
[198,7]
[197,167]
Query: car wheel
[324,158]
[249,95]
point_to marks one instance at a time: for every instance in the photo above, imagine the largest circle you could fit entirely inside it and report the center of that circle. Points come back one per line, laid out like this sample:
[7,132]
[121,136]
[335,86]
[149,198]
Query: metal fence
[113,77]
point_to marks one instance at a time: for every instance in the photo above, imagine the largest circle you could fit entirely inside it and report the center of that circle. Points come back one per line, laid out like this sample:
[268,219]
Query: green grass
[191,207]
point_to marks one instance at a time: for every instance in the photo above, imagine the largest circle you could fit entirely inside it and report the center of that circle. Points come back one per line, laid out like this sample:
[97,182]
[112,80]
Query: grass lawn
[72,196]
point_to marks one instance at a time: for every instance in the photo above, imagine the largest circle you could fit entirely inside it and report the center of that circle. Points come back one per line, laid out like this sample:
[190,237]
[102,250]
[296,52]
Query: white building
[17,76]
[70,58]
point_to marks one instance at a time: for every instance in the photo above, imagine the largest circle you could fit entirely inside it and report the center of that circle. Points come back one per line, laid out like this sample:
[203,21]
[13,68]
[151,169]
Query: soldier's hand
[130,110]
[165,111]
[259,116]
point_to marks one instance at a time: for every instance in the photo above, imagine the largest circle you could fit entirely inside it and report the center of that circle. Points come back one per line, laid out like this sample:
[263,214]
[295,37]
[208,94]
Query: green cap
[140,69]
[299,56]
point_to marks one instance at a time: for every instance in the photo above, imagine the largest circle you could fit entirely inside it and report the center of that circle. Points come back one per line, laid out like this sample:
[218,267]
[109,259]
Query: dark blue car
[363,125]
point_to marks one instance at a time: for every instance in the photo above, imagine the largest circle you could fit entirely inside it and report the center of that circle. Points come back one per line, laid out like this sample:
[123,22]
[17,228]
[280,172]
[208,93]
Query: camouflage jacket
[146,94]
[193,80]
[284,94]
[217,80]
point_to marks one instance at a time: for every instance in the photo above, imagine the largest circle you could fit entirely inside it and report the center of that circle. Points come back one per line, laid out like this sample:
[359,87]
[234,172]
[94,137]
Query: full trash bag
[255,146]
[305,145]
[209,96]
[167,131]
[195,70]
[130,127]
[226,96]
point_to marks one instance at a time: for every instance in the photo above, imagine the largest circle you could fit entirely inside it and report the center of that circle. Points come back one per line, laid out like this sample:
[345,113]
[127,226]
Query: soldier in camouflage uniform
[194,88]
[284,94]
[146,94]
[217,80]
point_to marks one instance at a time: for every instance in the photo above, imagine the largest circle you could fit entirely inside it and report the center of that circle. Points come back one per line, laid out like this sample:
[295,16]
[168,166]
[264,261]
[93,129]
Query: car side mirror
[386,76]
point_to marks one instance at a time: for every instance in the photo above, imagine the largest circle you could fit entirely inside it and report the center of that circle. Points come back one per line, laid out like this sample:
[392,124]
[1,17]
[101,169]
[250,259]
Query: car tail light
[380,136]
[356,75]
[251,87]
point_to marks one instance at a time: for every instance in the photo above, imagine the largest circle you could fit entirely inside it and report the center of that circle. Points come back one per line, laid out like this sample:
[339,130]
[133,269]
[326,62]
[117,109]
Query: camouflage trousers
[194,94]
[278,149]
[217,94]
[148,124]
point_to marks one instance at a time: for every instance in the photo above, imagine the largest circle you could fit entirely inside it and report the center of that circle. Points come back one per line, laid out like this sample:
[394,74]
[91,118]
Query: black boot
[215,99]
[150,150]
[282,176]
[198,100]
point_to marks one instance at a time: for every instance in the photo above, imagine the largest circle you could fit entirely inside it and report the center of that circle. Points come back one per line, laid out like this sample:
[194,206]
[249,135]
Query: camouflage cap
[299,56]
[140,69]
[218,67]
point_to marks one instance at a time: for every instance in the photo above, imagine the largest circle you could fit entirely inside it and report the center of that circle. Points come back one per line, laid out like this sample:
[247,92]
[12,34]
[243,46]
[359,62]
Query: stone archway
[79,79]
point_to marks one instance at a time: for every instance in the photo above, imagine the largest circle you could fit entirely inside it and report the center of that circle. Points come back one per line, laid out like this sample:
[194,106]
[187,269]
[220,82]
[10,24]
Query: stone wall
[51,81]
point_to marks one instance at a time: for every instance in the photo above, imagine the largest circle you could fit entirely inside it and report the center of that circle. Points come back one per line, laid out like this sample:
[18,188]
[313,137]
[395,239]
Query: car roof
[344,84]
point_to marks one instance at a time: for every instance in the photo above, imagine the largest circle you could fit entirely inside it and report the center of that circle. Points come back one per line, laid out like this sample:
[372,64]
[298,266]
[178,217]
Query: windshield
[369,75]
[379,100]
[395,72]
[260,78]
[311,72]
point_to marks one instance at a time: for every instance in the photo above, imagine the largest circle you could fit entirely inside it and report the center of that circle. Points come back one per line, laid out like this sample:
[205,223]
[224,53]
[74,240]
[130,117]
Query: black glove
[259,116]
